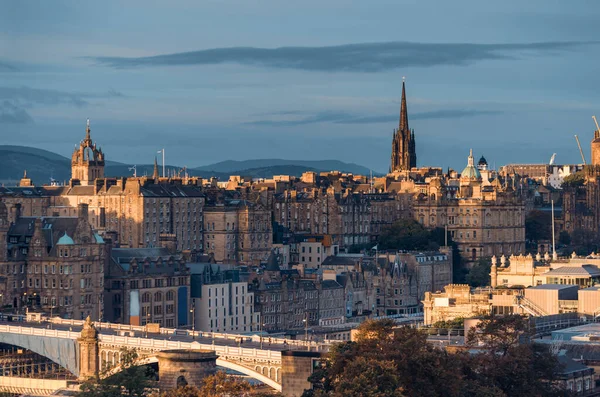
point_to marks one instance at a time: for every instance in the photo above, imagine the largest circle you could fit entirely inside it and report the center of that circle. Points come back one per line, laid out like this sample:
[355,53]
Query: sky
[247,79]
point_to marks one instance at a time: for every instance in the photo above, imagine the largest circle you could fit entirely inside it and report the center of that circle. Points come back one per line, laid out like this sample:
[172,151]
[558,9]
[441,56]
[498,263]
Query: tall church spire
[404,156]
[403,109]
[155,174]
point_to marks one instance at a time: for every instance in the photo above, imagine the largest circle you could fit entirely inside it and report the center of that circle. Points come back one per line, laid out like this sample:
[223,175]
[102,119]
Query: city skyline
[239,81]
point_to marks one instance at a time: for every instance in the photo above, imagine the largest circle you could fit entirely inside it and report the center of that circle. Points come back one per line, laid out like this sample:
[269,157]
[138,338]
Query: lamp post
[262,327]
[192,310]
[305,320]
[147,319]
[51,310]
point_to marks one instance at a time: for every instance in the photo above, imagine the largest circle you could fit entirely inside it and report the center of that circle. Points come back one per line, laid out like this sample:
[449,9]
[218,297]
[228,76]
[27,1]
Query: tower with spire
[87,162]
[155,174]
[404,155]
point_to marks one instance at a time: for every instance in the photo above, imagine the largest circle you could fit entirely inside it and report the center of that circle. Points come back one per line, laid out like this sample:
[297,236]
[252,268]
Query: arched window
[146,297]
[158,297]
[170,295]
[181,382]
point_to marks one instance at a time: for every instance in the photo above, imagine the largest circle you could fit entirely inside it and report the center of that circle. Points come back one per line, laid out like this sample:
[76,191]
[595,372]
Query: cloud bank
[363,57]
[13,114]
[303,118]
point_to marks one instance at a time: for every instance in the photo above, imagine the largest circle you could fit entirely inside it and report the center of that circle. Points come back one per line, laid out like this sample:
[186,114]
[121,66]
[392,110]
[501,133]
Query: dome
[482,161]
[470,171]
[98,238]
[65,240]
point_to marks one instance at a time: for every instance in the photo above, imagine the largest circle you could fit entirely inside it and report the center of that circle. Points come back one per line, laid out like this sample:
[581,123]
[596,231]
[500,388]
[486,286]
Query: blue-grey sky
[244,79]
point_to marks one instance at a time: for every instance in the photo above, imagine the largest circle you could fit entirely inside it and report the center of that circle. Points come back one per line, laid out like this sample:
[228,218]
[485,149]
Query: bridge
[76,345]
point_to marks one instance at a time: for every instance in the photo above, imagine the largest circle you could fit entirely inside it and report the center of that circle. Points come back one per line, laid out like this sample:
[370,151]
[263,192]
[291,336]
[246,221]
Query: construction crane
[552,159]
[580,151]
[595,121]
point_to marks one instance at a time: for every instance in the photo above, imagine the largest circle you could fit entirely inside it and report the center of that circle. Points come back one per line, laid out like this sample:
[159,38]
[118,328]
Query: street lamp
[147,319]
[305,320]
[51,310]
[192,310]
[262,327]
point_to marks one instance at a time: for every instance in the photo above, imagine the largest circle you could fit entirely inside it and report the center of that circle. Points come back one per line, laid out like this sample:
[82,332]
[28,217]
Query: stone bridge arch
[261,373]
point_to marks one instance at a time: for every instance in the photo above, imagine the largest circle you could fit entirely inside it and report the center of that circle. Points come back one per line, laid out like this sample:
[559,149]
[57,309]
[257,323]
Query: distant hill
[41,165]
[229,166]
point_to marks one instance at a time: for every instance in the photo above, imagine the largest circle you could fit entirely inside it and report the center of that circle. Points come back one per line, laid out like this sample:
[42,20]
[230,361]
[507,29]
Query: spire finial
[403,79]
[87,130]
[25,174]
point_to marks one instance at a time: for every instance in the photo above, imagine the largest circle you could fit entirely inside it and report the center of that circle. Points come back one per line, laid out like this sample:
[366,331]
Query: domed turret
[482,164]
[470,172]
[65,240]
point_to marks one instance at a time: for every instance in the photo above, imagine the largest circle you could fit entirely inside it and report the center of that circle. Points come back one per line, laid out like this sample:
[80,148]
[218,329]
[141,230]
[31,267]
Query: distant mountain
[229,166]
[41,165]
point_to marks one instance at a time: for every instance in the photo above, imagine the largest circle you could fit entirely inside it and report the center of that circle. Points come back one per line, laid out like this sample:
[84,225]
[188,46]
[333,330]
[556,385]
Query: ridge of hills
[43,165]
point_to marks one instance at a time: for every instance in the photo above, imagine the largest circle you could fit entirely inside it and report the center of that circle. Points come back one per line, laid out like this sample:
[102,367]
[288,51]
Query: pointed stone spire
[403,110]
[155,174]
[87,131]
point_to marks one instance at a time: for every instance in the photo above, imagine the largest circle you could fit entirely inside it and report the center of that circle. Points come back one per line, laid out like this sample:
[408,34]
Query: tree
[538,226]
[132,380]
[564,238]
[574,180]
[510,362]
[479,274]
[405,234]
[220,384]
[408,234]
[389,361]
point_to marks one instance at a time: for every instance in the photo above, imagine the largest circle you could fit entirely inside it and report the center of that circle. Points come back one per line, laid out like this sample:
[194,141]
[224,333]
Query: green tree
[389,361]
[510,363]
[538,226]
[132,380]
[564,238]
[405,234]
[479,274]
[220,384]
[574,180]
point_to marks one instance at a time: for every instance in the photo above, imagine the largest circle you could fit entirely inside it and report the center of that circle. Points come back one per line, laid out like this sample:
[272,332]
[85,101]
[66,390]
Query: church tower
[404,155]
[87,162]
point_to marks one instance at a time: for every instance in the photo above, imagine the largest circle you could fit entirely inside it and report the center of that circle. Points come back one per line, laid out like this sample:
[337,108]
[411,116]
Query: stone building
[222,301]
[134,211]
[460,301]
[331,302]
[148,285]
[238,231]
[52,264]
[484,217]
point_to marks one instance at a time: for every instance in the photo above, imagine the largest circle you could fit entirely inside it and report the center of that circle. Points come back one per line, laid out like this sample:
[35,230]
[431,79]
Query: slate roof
[553,287]
[585,270]
[171,190]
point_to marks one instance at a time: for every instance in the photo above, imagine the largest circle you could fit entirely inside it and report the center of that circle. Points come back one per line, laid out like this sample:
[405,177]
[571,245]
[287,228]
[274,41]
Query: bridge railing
[163,344]
[198,334]
[54,333]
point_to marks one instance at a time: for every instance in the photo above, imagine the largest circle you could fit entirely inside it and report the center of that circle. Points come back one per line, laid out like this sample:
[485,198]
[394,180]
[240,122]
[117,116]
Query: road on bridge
[204,339]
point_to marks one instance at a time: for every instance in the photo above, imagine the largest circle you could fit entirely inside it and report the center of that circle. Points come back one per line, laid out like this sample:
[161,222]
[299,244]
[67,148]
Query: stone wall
[184,367]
